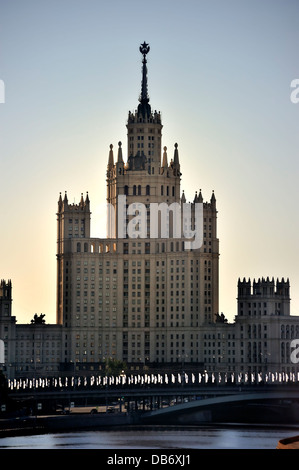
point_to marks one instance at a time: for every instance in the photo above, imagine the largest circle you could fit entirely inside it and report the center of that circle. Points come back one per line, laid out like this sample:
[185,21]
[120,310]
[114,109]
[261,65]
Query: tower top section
[143,113]
[5,289]
[144,107]
[64,206]
[264,287]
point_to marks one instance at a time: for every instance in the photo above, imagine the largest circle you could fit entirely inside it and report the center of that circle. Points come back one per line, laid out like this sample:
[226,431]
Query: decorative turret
[82,200]
[60,203]
[110,158]
[283,287]
[244,287]
[87,201]
[176,162]
[164,161]
[120,162]
[213,199]
[120,154]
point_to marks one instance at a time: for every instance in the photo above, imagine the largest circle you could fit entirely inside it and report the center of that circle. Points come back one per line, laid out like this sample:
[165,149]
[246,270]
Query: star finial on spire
[144,98]
[144,49]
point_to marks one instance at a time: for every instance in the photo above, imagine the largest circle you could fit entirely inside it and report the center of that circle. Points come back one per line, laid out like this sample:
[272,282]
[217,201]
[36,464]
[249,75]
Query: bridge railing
[151,380]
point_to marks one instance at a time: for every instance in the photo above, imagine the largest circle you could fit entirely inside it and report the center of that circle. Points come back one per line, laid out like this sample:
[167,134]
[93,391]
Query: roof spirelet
[120,154]
[164,161]
[111,158]
[176,155]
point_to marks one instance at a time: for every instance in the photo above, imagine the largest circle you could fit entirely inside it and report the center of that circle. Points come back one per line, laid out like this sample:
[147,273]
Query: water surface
[211,437]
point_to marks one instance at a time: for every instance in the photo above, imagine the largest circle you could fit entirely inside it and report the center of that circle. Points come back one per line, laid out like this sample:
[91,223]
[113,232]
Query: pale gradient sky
[219,71]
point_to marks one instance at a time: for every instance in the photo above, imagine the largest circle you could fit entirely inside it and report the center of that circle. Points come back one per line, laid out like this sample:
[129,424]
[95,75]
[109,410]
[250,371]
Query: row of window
[137,190]
[141,137]
[289,331]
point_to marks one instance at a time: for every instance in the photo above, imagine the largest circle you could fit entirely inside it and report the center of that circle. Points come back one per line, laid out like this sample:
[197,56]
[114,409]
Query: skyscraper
[141,294]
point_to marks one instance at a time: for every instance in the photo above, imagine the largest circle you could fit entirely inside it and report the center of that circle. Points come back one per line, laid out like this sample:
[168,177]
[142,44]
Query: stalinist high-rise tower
[147,294]
[141,294]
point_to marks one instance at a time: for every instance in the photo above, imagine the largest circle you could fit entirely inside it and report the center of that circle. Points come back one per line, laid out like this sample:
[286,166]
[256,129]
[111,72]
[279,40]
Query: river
[199,437]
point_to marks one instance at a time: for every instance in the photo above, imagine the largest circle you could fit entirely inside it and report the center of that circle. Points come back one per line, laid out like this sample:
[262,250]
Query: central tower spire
[144,107]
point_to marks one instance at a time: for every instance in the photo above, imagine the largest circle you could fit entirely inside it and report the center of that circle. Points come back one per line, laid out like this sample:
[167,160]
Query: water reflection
[157,438]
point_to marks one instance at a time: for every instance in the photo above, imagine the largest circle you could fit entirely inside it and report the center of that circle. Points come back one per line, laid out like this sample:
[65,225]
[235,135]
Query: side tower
[5,298]
[263,297]
[7,324]
[265,325]
[73,221]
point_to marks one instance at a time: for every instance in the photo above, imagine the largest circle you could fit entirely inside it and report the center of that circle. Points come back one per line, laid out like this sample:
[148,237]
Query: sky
[220,72]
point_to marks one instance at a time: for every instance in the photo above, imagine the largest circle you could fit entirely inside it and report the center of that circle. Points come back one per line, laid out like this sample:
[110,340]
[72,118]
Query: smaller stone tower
[73,221]
[263,297]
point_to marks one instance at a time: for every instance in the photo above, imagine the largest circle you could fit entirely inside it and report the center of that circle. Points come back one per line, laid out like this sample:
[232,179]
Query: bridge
[266,406]
[172,399]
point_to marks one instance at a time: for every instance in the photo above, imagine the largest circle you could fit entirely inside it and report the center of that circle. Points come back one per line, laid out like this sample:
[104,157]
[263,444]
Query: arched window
[134,190]
[85,247]
[126,190]
[78,247]
[148,190]
[139,190]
